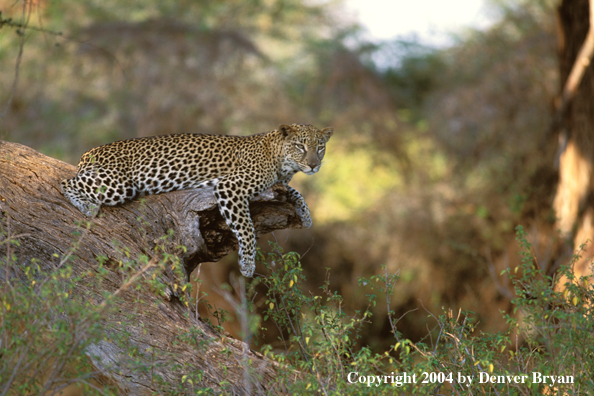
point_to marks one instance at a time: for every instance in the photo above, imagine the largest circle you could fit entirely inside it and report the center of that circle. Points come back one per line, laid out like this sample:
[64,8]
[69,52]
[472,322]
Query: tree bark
[34,211]
[574,200]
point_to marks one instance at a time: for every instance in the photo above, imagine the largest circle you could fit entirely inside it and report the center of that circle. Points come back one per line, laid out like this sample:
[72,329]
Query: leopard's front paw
[247,265]
[306,221]
[303,213]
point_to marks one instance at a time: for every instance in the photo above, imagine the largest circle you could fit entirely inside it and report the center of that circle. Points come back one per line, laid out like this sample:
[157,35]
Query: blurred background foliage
[438,152]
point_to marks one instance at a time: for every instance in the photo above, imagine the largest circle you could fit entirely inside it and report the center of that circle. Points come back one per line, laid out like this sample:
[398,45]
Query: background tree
[575,199]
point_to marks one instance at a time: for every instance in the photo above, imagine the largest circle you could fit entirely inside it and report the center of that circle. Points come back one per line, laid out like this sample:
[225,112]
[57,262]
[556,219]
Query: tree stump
[47,227]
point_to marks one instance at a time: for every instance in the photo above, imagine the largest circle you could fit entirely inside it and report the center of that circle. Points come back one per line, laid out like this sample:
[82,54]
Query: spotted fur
[238,167]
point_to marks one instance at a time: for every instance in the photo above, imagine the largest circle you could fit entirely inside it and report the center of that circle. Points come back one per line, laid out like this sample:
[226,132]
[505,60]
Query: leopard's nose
[313,164]
[311,168]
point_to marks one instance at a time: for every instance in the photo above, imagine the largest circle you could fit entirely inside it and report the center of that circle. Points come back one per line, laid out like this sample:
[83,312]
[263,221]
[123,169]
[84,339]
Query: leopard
[237,167]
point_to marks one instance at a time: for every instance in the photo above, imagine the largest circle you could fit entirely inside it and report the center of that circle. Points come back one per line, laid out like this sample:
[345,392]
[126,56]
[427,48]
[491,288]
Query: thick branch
[32,206]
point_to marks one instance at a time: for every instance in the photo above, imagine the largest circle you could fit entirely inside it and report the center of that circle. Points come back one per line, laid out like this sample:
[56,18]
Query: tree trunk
[34,211]
[574,200]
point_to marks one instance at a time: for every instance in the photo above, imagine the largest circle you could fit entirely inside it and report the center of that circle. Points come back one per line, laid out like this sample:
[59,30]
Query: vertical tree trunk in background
[574,201]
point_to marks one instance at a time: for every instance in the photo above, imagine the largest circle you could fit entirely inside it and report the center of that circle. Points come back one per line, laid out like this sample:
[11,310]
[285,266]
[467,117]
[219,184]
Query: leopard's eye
[300,147]
[321,149]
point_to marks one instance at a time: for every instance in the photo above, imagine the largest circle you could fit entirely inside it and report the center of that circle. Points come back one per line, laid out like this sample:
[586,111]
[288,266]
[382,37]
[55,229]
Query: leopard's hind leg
[93,187]
[79,197]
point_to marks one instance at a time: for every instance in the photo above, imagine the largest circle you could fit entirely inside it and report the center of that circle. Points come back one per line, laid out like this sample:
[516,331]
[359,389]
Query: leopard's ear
[327,132]
[286,131]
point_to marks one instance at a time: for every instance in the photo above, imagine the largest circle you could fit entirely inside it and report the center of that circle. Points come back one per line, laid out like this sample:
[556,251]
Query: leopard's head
[305,146]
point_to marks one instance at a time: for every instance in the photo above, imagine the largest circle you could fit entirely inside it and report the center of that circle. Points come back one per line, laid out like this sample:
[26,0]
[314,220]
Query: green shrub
[50,316]
[551,342]
[45,330]
[45,333]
